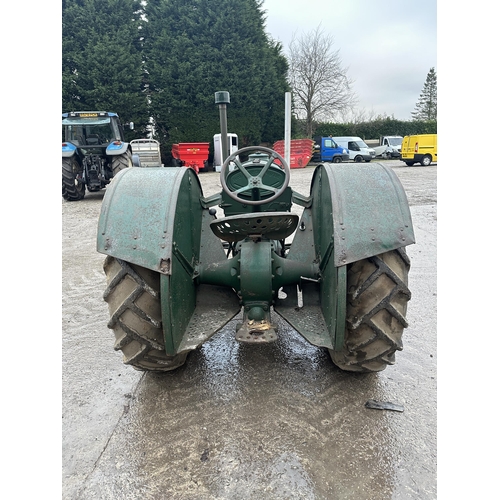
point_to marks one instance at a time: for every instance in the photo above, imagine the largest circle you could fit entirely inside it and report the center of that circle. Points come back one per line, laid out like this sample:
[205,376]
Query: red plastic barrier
[301,151]
[191,154]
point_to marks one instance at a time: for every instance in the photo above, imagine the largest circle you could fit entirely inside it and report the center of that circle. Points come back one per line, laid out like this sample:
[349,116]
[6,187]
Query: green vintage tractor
[176,274]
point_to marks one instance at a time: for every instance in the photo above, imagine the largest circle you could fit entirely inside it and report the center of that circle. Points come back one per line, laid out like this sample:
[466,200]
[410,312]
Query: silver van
[358,149]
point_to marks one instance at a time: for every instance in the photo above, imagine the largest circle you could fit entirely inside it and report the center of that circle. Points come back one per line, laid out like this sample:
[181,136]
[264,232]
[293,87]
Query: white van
[232,144]
[358,149]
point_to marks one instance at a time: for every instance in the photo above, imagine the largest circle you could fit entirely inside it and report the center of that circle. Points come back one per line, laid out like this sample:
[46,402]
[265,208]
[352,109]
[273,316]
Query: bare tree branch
[319,82]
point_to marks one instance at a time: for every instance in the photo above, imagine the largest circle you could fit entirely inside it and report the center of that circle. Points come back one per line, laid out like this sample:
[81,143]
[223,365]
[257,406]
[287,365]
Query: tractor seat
[93,139]
[272,225]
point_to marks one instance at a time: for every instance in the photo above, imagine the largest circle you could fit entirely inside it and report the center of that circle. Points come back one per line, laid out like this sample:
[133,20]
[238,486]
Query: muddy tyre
[120,162]
[377,297]
[73,188]
[133,298]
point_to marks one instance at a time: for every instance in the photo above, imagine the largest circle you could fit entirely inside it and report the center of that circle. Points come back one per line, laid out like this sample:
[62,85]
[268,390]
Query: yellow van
[421,149]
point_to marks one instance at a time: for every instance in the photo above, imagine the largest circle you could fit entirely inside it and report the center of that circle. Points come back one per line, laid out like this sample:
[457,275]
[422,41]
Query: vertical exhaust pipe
[222,100]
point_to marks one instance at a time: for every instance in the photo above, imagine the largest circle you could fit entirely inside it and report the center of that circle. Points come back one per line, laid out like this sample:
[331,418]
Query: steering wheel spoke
[242,169]
[243,189]
[267,165]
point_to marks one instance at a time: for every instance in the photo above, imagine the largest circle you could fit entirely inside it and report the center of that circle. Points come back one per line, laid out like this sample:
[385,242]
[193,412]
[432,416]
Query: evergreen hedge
[376,128]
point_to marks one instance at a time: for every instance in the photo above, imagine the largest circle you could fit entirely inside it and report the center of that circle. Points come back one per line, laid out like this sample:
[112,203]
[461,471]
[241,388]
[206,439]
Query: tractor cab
[91,130]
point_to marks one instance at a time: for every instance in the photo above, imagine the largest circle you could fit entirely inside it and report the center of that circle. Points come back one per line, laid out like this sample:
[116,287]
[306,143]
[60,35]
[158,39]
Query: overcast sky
[388,46]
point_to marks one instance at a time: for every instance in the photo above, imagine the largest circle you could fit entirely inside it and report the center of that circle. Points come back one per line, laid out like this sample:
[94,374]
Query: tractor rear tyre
[133,297]
[377,297]
[120,162]
[73,188]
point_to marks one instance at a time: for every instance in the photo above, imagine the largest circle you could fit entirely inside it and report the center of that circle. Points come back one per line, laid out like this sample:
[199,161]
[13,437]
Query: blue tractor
[93,151]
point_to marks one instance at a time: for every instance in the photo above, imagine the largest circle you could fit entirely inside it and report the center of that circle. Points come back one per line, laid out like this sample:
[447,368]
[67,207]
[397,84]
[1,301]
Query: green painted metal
[138,215]
[301,304]
[281,204]
[341,308]
[224,272]
[181,299]
[158,218]
[216,303]
[356,211]
[272,225]
[322,217]
[274,177]
[256,272]
[369,209]
[316,306]
[153,218]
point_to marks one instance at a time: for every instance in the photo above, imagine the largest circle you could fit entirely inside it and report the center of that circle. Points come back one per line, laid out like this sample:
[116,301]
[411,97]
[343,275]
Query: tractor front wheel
[133,297]
[377,297]
[120,162]
[73,188]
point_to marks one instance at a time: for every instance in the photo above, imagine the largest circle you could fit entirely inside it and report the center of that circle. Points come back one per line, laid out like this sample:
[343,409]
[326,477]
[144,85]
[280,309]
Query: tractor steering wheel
[254,181]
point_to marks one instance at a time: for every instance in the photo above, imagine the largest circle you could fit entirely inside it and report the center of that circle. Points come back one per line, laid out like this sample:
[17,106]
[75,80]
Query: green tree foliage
[426,107]
[101,60]
[194,48]
[166,59]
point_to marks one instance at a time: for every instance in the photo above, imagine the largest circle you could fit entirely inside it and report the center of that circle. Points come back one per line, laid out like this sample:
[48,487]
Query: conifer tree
[198,47]
[165,59]
[426,107]
[101,59]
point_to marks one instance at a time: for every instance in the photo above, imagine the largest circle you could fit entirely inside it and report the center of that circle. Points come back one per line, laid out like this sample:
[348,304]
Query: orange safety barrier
[301,151]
